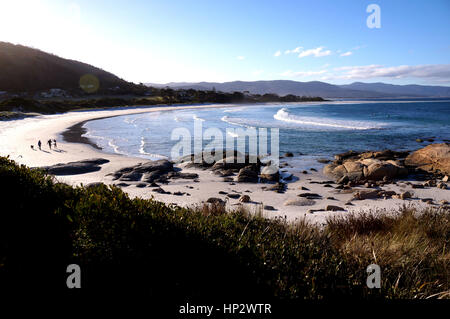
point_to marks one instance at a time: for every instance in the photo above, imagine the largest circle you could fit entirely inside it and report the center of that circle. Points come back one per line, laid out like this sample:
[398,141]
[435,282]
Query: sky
[218,41]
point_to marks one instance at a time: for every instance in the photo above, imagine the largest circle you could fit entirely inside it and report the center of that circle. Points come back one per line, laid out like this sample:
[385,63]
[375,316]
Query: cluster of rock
[151,172]
[246,168]
[359,168]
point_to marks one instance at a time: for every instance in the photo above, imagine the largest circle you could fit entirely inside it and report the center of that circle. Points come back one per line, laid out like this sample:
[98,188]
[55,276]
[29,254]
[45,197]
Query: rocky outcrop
[75,168]
[434,158]
[358,168]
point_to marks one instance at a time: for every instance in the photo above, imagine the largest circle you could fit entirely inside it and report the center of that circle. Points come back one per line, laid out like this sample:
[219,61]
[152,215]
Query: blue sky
[164,41]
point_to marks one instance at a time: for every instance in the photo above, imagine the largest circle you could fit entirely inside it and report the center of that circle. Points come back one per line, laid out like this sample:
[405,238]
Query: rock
[432,158]
[331,198]
[334,208]
[343,180]
[362,195]
[228,179]
[141,185]
[234,196]
[313,169]
[179,193]
[278,187]
[310,195]
[288,154]
[247,175]
[270,173]
[122,185]
[327,185]
[299,202]
[417,186]
[384,193]
[304,188]
[304,172]
[176,175]
[442,186]
[445,178]
[349,203]
[215,200]
[223,193]
[378,171]
[323,160]
[346,155]
[268,207]
[354,171]
[244,199]
[132,176]
[426,200]
[75,168]
[160,191]
[312,211]
[443,202]
[405,195]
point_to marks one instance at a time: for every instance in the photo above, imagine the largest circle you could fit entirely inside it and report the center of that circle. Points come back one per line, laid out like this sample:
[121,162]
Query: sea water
[310,129]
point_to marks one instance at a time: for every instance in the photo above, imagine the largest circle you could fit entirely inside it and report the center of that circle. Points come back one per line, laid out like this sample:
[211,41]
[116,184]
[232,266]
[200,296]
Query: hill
[317,88]
[401,90]
[25,69]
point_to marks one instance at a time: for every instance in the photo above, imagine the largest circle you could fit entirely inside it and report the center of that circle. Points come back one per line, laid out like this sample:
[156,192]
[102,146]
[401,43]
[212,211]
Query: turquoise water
[319,129]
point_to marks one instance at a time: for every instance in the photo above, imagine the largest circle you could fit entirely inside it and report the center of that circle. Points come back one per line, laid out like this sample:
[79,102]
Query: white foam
[143,152]
[283,115]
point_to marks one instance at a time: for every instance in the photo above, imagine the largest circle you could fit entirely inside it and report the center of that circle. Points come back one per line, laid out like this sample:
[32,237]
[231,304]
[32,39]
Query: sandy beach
[16,136]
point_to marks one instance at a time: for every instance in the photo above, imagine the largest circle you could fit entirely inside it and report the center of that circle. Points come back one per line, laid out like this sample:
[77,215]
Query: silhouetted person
[49,142]
[54,143]
[39,144]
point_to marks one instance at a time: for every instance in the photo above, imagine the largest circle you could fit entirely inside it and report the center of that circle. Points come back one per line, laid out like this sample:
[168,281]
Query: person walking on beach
[39,144]
[54,143]
[49,144]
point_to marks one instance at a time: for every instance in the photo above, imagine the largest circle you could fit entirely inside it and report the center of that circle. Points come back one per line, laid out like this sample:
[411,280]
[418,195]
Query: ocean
[308,129]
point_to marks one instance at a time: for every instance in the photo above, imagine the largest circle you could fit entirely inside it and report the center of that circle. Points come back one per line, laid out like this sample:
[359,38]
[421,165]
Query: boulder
[244,199]
[299,202]
[75,168]
[432,158]
[334,208]
[215,200]
[270,173]
[361,195]
[378,171]
[247,175]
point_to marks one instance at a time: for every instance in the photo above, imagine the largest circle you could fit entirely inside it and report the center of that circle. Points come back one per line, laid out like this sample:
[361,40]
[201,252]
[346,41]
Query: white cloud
[277,54]
[317,52]
[296,50]
[438,72]
[290,73]
[257,72]
[347,53]
[240,57]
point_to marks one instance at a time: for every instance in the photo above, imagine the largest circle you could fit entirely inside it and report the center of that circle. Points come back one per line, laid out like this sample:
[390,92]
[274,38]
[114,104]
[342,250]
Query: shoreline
[18,135]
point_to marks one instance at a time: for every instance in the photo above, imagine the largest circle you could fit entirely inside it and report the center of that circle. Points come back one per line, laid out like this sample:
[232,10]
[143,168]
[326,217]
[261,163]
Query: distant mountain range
[316,88]
[24,69]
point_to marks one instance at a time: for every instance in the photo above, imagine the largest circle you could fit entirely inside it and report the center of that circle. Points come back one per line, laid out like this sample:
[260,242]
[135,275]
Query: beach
[18,135]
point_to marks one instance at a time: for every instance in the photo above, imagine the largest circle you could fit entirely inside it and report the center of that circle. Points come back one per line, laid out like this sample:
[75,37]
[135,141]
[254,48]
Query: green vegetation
[158,97]
[126,245]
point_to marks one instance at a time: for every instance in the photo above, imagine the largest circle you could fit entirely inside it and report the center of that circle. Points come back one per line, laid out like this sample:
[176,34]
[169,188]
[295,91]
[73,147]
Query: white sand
[16,137]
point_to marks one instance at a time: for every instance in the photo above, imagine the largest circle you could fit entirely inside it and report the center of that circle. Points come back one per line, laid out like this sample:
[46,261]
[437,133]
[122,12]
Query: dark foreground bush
[128,245]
